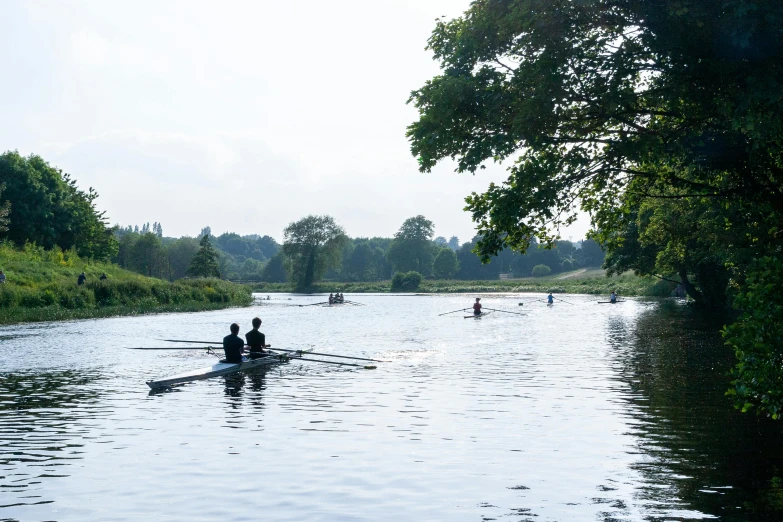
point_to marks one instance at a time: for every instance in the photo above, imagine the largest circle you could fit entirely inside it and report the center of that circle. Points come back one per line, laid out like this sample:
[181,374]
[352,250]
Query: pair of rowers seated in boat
[234,346]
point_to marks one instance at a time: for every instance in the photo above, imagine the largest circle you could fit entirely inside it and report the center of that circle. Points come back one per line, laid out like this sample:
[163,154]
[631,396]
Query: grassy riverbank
[41,286]
[592,281]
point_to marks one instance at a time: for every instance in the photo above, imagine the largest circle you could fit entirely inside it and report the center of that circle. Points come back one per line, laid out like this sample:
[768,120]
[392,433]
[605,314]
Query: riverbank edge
[625,285]
[54,313]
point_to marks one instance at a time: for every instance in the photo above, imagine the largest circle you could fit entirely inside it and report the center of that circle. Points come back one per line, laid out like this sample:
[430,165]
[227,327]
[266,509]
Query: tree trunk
[310,270]
[690,289]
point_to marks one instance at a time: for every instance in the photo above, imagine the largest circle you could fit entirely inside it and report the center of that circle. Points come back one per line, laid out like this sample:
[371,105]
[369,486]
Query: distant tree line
[145,250]
[316,247]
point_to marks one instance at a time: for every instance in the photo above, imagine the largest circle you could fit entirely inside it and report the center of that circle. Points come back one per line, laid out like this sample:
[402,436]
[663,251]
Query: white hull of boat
[220,369]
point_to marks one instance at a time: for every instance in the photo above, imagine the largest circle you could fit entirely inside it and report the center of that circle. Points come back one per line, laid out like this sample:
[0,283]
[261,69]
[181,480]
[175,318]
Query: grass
[592,281]
[41,286]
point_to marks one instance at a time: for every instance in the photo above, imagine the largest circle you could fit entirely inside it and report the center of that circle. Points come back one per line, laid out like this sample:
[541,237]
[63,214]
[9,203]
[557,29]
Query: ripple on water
[567,413]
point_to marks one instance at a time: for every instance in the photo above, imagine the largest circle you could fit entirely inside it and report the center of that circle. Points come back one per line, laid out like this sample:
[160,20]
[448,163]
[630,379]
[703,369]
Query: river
[578,411]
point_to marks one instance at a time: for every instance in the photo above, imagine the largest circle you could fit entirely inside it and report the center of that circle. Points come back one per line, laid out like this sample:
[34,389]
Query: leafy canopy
[590,97]
[48,209]
[412,248]
[445,264]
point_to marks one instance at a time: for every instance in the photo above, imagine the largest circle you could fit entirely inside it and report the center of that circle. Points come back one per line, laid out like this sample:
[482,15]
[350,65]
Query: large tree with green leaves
[47,208]
[680,98]
[148,256]
[445,264]
[412,248]
[205,262]
[312,246]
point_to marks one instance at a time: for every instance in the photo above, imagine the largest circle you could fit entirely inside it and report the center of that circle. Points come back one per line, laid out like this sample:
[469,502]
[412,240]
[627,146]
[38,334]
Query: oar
[313,304]
[170,348]
[220,343]
[564,301]
[460,310]
[273,348]
[328,355]
[355,303]
[505,312]
[333,362]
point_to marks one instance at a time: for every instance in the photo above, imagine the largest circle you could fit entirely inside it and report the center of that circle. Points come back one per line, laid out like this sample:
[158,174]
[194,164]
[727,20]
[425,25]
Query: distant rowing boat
[477,316]
[222,369]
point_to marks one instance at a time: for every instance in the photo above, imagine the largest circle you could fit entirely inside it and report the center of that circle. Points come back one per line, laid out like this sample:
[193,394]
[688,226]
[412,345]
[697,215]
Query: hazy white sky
[243,116]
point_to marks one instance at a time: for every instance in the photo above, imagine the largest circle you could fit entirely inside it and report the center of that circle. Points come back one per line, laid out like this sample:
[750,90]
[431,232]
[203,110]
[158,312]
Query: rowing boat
[222,368]
[477,316]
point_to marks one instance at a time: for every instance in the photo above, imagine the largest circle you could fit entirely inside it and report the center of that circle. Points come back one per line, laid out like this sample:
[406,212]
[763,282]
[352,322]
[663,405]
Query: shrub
[541,271]
[406,281]
[756,338]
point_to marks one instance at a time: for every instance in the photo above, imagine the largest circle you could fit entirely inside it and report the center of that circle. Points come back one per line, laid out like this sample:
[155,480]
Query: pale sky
[241,116]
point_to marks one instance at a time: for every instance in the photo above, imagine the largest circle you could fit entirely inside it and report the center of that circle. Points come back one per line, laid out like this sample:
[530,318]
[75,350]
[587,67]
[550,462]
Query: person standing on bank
[2,277]
[82,279]
[256,340]
[233,345]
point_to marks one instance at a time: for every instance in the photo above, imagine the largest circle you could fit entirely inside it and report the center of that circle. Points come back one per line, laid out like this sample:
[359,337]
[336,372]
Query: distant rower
[233,345]
[550,299]
[256,340]
[477,307]
[613,297]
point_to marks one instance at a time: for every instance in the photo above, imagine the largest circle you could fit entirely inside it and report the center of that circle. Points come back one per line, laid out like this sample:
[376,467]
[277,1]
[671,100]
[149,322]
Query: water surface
[572,412]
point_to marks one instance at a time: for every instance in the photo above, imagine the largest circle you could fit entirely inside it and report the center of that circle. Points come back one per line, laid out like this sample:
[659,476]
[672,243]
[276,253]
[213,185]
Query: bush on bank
[541,271]
[406,281]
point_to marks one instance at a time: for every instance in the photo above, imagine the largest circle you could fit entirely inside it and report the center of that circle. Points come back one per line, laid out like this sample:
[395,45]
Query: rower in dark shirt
[256,340]
[233,345]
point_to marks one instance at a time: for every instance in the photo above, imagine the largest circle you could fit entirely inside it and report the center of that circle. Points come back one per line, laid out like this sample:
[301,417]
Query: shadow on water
[44,418]
[700,453]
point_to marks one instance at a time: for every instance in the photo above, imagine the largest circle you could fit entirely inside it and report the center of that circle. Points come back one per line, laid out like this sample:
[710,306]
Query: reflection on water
[580,412]
[45,417]
[700,454]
